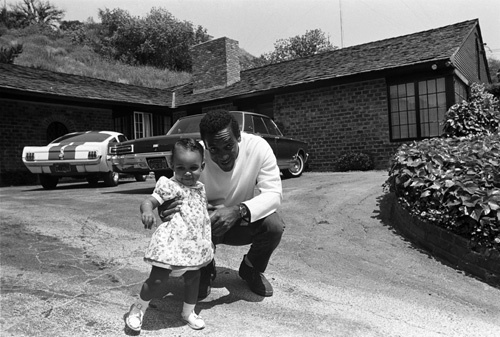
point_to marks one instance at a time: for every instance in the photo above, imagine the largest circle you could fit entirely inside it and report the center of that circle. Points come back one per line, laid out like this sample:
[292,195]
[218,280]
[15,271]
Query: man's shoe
[207,275]
[256,280]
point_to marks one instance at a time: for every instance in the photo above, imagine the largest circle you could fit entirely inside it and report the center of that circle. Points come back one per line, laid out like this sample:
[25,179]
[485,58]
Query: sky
[258,24]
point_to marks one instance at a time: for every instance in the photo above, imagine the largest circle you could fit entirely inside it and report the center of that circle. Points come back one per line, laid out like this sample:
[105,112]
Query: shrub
[353,161]
[480,115]
[8,54]
[453,183]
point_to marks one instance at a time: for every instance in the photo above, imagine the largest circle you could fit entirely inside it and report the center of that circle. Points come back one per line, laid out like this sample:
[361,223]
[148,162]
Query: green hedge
[453,183]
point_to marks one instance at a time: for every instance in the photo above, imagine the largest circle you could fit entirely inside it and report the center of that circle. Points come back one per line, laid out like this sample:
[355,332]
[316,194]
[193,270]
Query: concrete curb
[446,246]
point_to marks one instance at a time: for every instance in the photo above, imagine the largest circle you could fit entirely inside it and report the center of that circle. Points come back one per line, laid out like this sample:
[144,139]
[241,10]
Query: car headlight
[92,154]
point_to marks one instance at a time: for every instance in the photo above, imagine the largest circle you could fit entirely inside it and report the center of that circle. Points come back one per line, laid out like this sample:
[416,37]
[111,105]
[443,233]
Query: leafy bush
[8,54]
[453,183]
[353,161]
[480,115]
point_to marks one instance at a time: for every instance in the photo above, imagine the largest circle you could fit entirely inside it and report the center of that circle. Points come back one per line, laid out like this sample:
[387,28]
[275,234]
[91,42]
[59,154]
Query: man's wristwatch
[244,214]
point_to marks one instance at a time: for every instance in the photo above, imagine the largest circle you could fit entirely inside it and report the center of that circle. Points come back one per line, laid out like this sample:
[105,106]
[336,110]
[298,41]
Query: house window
[417,109]
[143,125]
[403,111]
[432,98]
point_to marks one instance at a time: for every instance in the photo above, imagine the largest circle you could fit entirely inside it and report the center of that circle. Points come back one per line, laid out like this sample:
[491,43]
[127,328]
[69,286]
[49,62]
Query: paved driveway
[71,264]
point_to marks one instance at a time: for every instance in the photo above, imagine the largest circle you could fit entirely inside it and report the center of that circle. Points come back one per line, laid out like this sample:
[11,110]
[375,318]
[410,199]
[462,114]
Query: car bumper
[141,163]
[66,168]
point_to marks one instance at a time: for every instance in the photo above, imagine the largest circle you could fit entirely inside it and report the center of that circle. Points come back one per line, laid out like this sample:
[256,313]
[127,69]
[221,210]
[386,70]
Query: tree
[36,12]
[494,87]
[311,43]
[159,40]
[70,25]
[494,66]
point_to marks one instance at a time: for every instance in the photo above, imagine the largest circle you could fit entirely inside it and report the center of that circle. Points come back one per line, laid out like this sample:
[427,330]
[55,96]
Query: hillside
[60,55]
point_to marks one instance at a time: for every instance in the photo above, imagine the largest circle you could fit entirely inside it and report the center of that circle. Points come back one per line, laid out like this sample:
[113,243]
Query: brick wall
[446,246]
[25,124]
[223,107]
[338,119]
[215,64]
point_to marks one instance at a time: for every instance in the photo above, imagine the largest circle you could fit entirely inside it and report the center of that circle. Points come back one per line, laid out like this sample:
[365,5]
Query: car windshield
[186,125]
[192,124]
[83,137]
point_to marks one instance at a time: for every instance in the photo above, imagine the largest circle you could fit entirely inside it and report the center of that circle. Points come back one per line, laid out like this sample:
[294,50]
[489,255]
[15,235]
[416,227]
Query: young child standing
[181,246]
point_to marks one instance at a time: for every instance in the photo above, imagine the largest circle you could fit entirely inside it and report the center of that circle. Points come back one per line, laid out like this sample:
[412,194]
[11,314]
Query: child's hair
[188,144]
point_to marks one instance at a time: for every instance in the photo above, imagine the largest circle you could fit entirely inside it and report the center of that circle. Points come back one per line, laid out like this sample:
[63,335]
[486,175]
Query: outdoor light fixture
[434,66]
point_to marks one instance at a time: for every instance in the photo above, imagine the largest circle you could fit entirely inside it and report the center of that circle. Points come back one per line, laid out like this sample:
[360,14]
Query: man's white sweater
[254,180]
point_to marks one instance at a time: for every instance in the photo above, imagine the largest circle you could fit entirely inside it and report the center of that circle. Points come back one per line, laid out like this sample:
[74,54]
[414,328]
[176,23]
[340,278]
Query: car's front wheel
[111,178]
[296,169]
[48,182]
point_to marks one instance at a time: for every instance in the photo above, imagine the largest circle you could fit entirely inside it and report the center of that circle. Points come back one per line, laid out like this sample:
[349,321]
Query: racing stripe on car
[54,152]
[67,149]
[70,150]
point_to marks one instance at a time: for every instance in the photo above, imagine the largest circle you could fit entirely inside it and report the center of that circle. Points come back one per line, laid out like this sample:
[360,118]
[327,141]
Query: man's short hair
[216,121]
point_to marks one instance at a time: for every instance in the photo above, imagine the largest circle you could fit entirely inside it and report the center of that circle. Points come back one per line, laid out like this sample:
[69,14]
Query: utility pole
[341,27]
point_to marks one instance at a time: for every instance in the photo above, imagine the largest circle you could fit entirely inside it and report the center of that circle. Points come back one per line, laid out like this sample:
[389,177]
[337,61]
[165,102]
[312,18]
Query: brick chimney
[216,64]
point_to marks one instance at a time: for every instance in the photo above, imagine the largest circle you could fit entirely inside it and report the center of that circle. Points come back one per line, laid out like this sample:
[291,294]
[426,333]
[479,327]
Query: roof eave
[380,72]
[35,95]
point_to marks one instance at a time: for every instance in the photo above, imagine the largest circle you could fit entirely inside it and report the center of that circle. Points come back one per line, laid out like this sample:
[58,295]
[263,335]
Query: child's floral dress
[186,240]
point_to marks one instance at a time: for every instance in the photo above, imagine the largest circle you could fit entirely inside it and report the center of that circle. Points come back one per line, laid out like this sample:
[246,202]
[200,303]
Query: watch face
[243,211]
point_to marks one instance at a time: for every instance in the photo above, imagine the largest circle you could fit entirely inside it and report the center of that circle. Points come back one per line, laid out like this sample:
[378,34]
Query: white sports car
[78,154]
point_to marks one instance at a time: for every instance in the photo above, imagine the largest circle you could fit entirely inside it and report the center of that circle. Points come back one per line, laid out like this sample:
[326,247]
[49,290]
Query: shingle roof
[431,45]
[74,86]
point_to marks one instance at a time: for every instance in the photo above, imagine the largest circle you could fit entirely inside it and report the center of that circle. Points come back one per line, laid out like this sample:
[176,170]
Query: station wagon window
[259,125]
[417,109]
[271,127]
[249,123]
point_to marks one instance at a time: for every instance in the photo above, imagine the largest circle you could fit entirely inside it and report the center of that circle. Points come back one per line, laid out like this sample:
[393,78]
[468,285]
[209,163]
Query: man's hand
[167,210]
[223,218]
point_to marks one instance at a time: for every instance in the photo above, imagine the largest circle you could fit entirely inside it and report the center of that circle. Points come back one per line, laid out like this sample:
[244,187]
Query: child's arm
[147,207]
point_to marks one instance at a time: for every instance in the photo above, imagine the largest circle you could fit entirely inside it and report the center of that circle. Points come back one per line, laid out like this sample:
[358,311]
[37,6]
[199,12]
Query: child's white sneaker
[134,317]
[194,321]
